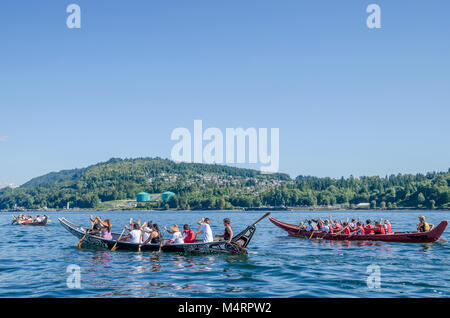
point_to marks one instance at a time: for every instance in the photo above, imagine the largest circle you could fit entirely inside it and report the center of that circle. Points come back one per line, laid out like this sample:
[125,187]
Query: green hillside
[203,186]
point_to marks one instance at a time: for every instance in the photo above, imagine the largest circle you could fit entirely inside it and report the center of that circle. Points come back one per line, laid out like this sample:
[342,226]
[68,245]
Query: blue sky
[347,99]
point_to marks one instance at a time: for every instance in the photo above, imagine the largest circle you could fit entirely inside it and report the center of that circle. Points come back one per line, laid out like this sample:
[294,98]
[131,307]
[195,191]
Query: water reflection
[277,265]
[101,258]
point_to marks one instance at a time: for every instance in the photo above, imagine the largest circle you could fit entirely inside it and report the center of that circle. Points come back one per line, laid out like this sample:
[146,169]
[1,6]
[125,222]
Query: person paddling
[368,229]
[336,226]
[155,236]
[176,235]
[359,230]
[135,235]
[205,229]
[423,226]
[188,234]
[379,228]
[105,232]
[228,233]
[387,227]
[326,227]
[147,230]
[98,225]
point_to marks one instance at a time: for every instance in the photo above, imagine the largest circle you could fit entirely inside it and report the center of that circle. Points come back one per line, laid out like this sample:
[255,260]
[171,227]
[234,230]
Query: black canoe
[242,239]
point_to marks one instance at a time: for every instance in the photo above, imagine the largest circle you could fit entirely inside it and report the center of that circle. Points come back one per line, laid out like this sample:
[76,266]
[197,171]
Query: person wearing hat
[176,238]
[423,226]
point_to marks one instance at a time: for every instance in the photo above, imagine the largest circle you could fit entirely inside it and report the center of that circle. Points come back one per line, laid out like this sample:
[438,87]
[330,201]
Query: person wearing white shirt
[135,235]
[205,230]
[176,238]
[146,231]
[326,227]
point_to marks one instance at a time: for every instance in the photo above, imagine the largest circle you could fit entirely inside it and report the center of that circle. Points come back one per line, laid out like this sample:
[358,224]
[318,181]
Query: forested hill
[203,186]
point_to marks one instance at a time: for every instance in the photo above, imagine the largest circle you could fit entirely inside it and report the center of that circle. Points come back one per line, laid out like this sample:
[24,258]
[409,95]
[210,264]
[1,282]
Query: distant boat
[18,221]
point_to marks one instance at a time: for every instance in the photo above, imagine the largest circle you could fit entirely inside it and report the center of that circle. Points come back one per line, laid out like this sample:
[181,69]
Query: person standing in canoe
[423,226]
[228,233]
[205,230]
[188,234]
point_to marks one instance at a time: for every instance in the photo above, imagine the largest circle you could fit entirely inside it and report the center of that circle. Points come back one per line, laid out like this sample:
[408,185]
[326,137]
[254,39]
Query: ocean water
[34,261]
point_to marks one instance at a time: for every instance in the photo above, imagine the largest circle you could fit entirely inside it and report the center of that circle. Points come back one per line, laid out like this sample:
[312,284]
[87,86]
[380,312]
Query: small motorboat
[237,246]
[404,237]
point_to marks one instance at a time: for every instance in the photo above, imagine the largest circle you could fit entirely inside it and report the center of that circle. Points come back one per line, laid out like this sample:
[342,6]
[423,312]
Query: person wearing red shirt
[369,228]
[188,234]
[336,226]
[359,230]
[346,229]
[379,228]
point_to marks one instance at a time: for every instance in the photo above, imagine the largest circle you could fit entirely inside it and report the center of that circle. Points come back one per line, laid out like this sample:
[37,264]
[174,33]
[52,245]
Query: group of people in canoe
[28,219]
[356,226]
[149,232]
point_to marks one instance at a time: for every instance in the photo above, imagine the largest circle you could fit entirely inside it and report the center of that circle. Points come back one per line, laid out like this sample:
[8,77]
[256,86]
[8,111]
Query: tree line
[228,188]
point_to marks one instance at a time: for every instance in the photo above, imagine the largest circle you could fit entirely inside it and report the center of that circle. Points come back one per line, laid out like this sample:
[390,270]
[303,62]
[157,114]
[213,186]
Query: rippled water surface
[34,261]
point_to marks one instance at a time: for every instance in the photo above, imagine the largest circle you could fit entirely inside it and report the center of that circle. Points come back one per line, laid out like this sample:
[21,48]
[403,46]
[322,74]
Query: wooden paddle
[312,234]
[241,249]
[264,216]
[82,239]
[115,245]
[161,238]
[142,232]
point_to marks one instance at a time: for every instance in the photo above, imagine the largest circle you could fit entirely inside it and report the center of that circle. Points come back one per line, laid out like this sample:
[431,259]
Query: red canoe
[405,237]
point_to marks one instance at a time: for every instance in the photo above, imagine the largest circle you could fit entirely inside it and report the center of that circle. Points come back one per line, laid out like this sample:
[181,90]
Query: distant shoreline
[232,210]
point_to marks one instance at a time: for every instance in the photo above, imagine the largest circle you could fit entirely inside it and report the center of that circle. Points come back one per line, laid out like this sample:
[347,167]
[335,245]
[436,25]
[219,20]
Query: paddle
[82,239]
[312,234]
[264,216]
[241,249]
[115,245]
[160,241]
[142,232]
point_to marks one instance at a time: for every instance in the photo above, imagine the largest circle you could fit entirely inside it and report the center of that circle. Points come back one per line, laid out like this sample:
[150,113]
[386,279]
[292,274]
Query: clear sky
[347,99]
